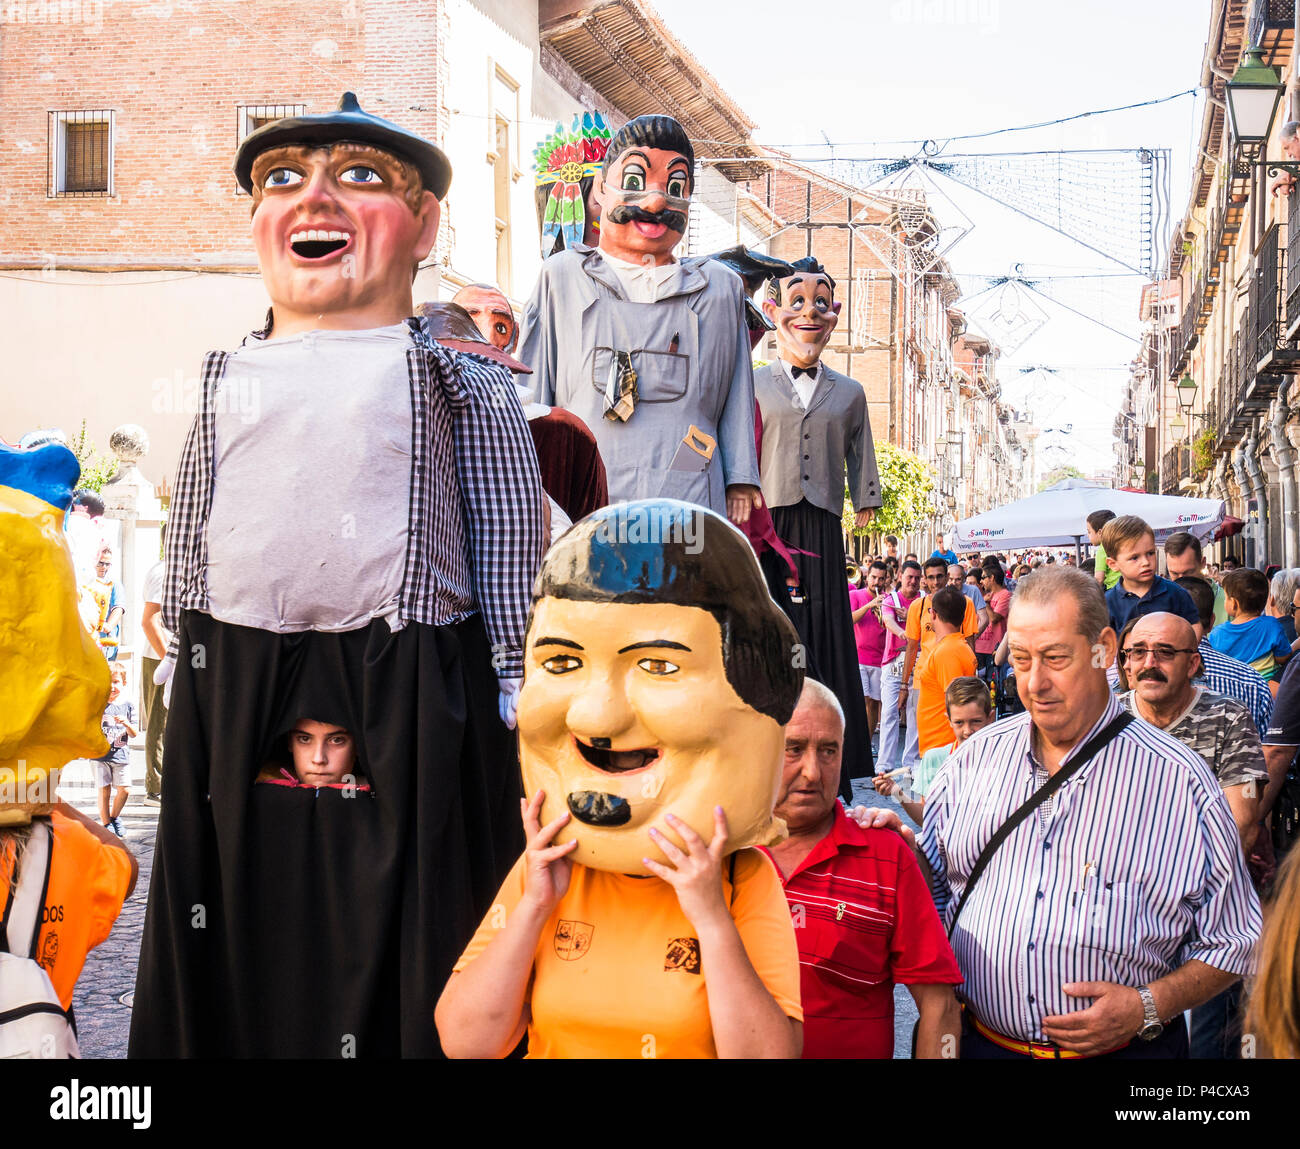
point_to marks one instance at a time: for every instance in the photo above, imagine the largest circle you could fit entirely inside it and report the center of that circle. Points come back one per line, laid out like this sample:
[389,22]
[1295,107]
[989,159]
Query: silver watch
[1152,1026]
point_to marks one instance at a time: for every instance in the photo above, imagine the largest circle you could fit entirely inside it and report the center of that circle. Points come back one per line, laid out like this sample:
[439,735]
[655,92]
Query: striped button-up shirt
[475,531]
[1235,679]
[1136,871]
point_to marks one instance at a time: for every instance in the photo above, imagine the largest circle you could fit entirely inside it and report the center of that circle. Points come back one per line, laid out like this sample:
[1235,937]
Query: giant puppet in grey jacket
[815,430]
[652,353]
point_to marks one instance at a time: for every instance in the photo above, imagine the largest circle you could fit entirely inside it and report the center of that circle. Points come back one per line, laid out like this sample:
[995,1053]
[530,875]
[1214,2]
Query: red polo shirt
[863,921]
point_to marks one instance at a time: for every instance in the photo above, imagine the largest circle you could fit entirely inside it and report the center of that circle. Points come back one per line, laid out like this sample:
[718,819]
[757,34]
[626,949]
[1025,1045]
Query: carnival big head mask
[345,206]
[53,679]
[491,313]
[645,189]
[658,674]
[804,310]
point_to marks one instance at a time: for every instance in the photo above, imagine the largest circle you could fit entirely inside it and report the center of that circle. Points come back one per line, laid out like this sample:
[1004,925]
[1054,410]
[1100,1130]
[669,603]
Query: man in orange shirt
[921,636]
[950,657]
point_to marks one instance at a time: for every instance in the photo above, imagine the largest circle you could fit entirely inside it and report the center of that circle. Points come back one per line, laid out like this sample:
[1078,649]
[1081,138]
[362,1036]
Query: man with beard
[815,428]
[652,353]
[1161,659]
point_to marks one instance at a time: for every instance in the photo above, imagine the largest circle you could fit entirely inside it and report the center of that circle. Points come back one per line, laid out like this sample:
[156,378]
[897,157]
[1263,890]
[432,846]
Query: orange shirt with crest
[617,973]
[88,883]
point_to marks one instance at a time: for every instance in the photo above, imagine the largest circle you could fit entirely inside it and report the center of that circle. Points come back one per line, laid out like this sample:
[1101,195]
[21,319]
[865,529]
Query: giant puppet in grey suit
[815,426]
[652,353]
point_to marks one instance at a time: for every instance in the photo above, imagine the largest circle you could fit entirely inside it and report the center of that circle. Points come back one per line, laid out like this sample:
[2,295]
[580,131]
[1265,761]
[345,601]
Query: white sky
[888,70]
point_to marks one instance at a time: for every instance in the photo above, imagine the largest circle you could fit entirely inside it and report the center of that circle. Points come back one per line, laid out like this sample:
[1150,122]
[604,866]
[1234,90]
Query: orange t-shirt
[88,884]
[951,657]
[617,973]
[920,628]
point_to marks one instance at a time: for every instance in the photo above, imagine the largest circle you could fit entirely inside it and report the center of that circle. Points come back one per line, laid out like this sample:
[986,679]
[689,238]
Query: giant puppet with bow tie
[651,352]
[815,430]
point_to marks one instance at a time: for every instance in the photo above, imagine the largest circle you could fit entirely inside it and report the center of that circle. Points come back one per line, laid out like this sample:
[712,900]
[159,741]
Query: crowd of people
[560,741]
[1198,654]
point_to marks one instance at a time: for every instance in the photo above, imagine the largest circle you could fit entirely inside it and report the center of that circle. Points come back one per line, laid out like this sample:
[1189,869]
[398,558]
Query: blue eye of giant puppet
[633,178]
[658,666]
[282,178]
[561,664]
[360,174]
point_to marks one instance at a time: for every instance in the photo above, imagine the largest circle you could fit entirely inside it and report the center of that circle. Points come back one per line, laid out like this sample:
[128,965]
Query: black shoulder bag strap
[1039,796]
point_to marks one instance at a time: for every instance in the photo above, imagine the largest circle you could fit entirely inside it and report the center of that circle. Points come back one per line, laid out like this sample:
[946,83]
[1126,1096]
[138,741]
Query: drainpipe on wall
[1259,492]
[1239,473]
[1285,455]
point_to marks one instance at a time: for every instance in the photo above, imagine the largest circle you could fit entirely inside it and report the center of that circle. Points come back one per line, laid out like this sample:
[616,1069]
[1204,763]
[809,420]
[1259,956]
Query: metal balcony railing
[1178,466]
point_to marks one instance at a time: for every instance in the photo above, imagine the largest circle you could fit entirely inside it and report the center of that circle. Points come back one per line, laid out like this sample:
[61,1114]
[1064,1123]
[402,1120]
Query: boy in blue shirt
[1130,546]
[1250,635]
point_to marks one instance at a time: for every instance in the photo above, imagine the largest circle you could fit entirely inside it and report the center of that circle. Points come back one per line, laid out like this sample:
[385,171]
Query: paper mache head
[658,677]
[54,681]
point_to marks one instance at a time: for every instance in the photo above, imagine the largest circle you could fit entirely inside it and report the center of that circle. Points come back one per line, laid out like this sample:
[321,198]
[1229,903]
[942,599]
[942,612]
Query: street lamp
[1178,425]
[1253,95]
[1186,393]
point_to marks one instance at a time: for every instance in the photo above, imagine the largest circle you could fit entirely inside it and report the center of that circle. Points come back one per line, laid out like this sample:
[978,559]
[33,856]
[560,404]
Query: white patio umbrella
[1056,517]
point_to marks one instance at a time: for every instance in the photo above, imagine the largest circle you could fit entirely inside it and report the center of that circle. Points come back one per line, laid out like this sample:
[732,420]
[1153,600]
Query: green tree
[96,469]
[905,485]
[1056,474]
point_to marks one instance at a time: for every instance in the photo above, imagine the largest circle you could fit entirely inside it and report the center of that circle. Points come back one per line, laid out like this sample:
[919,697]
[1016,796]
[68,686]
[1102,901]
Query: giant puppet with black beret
[357,556]
[650,351]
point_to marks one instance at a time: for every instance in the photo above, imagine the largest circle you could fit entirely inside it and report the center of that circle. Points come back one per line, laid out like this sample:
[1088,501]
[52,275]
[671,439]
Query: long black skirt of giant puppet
[825,623]
[300,922]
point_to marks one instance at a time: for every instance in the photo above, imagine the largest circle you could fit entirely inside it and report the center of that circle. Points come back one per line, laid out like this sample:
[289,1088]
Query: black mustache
[1152,675]
[599,809]
[625,213]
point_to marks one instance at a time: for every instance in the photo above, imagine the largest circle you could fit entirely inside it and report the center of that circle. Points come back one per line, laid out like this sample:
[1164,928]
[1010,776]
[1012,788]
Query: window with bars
[250,117]
[80,153]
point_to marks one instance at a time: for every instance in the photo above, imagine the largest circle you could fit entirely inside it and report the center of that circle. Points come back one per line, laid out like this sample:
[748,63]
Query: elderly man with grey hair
[1086,863]
[863,918]
[1284,182]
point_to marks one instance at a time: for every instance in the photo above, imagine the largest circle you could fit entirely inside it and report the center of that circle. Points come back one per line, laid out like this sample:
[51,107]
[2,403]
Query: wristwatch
[1152,1026]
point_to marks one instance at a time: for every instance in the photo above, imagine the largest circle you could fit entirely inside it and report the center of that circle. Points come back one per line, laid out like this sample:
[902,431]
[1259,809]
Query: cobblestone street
[102,1004]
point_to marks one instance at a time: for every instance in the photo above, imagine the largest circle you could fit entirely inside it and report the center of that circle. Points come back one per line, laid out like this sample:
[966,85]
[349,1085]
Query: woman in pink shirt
[993,582]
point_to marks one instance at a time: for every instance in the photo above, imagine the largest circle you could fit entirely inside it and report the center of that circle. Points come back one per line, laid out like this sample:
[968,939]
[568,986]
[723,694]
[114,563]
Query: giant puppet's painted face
[339,231]
[805,314]
[54,681]
[632,702]
[645,190]
[491,313]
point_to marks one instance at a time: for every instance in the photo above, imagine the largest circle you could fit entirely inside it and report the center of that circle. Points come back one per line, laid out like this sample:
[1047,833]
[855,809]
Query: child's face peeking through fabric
[323,754]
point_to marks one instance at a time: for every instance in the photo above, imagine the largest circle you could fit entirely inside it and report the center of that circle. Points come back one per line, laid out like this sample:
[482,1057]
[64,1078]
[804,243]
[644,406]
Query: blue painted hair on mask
[665,551]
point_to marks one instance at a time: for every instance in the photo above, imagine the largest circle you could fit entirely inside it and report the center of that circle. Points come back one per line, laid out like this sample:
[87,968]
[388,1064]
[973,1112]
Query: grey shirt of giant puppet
[690,350]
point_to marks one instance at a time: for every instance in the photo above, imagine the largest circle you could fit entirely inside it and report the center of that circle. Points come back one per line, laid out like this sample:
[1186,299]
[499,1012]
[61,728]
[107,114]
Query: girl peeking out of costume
[315,755]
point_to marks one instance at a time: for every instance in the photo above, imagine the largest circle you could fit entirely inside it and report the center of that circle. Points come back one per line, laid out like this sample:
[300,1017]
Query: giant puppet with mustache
[651,352]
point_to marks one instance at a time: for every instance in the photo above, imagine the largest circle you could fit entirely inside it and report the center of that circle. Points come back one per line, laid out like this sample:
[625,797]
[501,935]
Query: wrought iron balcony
[1178,466]
[1273,351]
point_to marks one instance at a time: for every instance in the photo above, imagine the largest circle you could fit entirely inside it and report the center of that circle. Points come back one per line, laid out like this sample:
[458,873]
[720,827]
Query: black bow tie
[811,372]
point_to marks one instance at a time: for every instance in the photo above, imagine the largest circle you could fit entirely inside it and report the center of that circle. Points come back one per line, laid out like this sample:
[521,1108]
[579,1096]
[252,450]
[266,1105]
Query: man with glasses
[1122,899]
[1161,659]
